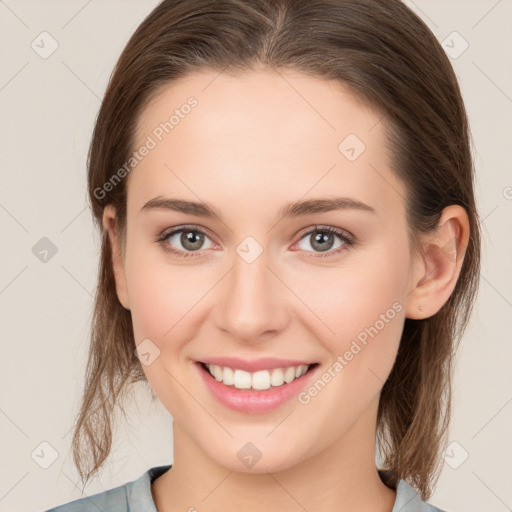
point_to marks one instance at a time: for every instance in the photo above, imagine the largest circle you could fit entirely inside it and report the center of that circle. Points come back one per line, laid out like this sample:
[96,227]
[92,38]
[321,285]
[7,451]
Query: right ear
[109,224]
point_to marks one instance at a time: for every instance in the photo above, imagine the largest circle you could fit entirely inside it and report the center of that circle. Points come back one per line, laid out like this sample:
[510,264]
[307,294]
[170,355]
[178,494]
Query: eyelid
[299,235]
[343,233]
[192,227]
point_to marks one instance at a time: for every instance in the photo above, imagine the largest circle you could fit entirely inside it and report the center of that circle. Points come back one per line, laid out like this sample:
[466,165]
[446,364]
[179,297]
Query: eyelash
[345,237]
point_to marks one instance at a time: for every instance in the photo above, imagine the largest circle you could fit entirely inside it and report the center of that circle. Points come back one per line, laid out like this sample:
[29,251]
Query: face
[324,282]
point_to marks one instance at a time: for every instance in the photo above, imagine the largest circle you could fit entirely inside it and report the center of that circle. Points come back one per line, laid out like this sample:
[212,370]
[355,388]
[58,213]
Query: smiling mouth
[256,381]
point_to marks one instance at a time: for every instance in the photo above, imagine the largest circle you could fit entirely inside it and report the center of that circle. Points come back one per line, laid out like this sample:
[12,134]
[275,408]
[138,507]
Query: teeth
[260,380]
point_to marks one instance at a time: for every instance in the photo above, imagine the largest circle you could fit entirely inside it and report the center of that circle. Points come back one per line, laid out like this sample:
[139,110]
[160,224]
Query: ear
[109,224]
[436,271]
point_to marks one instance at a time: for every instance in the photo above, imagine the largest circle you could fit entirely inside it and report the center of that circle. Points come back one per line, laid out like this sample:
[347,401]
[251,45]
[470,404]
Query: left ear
[436,270]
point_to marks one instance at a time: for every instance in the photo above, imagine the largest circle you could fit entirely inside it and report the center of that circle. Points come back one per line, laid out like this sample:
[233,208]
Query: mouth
[260,380]
[258,391]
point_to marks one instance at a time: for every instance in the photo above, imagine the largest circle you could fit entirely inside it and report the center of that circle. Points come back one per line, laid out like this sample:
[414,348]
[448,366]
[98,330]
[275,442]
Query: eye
[184,241]
[187,240]
[323,240]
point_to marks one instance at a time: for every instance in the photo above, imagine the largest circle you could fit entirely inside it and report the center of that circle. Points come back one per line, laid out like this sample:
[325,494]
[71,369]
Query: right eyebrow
[182,206]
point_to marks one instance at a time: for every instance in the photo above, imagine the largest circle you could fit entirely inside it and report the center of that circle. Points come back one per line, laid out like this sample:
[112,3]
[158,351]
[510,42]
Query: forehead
[261,133]
[297,104]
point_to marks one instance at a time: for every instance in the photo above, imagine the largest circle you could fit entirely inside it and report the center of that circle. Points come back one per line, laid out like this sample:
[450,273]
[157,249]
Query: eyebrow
[296,209]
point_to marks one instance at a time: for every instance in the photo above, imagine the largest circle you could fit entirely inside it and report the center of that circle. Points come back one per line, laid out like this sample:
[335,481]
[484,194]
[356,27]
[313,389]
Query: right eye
[191,240]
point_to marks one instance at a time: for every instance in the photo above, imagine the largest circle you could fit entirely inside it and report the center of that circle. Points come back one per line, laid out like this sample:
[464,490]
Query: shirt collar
[140,498]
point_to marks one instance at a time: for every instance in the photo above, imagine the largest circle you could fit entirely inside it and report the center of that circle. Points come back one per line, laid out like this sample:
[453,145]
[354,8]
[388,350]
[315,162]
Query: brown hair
[384,54]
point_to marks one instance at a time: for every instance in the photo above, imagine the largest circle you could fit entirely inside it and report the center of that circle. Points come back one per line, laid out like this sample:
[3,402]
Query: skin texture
[253,144]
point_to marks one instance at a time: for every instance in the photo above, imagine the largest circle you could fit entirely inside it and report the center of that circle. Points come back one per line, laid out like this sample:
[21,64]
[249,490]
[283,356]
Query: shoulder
[134,495]
[114,500]
[407,500]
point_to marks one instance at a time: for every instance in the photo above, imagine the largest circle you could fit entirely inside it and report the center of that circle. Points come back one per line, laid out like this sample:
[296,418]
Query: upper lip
[253,365]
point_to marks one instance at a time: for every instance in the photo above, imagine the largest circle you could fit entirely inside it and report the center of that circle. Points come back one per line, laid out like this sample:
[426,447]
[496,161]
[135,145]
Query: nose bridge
[253,304]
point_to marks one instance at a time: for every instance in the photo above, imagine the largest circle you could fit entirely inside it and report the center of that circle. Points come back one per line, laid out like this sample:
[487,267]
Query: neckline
[388,478]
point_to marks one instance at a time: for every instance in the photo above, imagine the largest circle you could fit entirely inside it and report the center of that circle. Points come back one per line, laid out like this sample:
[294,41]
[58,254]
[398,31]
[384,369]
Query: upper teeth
[262,379]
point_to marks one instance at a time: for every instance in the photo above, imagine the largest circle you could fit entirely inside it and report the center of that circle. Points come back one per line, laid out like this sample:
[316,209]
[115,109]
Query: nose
[253,303]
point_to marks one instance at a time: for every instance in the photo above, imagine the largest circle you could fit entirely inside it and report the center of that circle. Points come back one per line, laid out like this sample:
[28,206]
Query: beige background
[48,107]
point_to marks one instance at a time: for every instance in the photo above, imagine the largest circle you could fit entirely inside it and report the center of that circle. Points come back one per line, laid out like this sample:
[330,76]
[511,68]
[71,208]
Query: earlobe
[440,265]
[109,225]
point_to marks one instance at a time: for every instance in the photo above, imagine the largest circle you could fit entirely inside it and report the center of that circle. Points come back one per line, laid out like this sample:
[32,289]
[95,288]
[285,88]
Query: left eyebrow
[296,209]
[312,206]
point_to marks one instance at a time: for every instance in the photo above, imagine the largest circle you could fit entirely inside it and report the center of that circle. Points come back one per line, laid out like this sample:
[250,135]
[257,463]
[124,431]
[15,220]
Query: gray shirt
[136,497]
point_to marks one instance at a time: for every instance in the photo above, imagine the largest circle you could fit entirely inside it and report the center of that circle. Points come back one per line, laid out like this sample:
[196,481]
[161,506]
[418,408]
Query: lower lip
[244,400]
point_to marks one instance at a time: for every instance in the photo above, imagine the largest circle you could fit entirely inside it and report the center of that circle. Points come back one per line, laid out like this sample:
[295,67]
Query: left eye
[323,240]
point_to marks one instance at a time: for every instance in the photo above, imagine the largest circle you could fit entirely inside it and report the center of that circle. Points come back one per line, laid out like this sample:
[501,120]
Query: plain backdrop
[48,107]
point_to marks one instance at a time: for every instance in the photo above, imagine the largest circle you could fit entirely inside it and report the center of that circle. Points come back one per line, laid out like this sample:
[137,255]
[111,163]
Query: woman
[290,255]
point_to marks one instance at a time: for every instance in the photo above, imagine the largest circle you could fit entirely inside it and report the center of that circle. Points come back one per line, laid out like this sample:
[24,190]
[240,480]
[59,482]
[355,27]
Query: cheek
[362,309]
[160,299]
[357,292]
[169,302]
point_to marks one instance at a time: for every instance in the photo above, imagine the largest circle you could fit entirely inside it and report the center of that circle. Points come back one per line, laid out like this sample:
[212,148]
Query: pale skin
[252,145]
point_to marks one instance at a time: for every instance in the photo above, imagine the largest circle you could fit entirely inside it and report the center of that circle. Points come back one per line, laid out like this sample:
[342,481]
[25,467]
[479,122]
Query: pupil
[192,240]
[321,239]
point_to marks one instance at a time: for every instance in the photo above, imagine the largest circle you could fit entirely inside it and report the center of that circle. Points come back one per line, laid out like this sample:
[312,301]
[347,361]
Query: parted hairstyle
[385,55]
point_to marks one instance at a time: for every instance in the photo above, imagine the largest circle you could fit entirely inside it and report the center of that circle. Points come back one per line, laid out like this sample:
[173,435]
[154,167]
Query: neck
[341,478]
